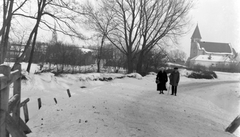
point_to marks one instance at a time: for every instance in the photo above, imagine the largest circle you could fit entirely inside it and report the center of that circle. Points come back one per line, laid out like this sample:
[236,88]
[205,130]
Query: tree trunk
[20,58]
[49,66]
[32,52]
[62,67]
[40,11]
[98,65]
[100,53]
[140,62]
[5,29]
[130,63]
[73,70]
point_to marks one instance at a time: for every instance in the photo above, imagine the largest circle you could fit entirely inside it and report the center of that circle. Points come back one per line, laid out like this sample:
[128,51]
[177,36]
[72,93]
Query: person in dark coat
[174,80]
[161,80]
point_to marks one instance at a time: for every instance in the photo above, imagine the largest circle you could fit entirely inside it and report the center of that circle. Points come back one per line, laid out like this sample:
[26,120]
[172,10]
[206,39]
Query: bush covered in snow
[106,79]
[134,75]
[202,75]
[200,72]
[152,73]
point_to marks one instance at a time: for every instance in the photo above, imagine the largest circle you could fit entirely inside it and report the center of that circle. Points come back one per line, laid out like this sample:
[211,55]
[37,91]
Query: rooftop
[196,33]
[216,47]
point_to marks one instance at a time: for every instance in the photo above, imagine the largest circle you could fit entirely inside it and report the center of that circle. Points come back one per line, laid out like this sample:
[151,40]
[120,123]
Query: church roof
[196,33]
[216,47]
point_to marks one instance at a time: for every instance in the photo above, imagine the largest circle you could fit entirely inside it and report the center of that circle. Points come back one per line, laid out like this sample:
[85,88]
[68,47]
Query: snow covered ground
[130,107]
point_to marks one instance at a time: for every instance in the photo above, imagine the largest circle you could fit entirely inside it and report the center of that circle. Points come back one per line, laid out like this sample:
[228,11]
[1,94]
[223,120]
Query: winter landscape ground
[130,107]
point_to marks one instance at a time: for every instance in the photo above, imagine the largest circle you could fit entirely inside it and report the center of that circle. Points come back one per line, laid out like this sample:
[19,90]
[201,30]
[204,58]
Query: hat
[175,67]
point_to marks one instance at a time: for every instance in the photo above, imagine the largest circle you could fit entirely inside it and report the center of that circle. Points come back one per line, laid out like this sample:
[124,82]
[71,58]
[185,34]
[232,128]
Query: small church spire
[54,34]
[196,34]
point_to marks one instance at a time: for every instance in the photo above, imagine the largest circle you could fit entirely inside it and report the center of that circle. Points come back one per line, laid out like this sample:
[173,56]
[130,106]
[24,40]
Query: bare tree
[154,59]
[63,12]
[126,37]
[125,26]
[165,19]
[99,51]
[101,22]
[177,56]
[6,25]
[141,24]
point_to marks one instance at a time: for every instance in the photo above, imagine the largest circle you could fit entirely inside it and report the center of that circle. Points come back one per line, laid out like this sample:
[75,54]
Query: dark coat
[174,78]
[162,80]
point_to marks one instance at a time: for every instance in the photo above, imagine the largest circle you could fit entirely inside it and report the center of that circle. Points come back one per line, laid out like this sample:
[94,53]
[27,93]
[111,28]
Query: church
[210,54]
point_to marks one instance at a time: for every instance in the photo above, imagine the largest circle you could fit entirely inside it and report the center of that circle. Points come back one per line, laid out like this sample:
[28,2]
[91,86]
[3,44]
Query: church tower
[196,37]
[54,35]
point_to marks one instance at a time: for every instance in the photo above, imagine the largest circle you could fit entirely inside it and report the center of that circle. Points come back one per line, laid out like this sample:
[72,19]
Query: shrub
[203,75]
[106,79]
[143,73]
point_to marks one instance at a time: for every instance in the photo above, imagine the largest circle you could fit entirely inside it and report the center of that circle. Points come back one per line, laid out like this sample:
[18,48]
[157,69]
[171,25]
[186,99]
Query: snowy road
[133,108]
[150,114]
[221,93]
[192,86]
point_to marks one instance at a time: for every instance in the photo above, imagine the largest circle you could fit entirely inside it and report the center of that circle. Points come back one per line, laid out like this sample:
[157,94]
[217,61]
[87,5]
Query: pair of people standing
[162,79]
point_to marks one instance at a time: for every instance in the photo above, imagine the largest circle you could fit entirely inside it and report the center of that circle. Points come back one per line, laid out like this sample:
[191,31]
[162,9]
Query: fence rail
[12,124]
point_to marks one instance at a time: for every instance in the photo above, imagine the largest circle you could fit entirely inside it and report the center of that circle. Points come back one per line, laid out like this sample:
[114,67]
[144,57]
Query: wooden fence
[234,125]
[10,121]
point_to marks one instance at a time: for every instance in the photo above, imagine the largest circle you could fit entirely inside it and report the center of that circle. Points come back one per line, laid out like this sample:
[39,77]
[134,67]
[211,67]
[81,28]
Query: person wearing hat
[174,80]
[161,80]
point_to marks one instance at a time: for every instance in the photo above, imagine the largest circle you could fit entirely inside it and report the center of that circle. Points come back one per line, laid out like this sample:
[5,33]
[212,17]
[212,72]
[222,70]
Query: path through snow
[130,107]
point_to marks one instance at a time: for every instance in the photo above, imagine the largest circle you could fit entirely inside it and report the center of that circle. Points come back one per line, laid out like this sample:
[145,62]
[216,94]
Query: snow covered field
[130,107]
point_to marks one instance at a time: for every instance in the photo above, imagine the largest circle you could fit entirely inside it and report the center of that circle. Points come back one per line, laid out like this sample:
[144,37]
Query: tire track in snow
[192,86]
[146,107]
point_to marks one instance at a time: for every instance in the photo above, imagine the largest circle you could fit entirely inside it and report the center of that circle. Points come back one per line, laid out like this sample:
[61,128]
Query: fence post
[55,100]
[4,96]
[17,90]
[234,125]
[25,111]
[69,93]
[39,103]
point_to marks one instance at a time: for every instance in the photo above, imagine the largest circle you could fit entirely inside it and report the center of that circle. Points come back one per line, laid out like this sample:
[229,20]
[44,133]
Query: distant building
[210,54]
[14,51]
[54,35]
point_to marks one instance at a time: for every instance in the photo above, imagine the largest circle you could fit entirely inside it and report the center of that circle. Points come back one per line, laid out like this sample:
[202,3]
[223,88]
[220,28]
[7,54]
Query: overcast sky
[218,21]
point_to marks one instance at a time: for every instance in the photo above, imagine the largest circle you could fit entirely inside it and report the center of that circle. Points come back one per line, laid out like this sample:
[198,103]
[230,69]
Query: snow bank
[121,107]
[127,107]
[34,67]
[152,73]
[134,75]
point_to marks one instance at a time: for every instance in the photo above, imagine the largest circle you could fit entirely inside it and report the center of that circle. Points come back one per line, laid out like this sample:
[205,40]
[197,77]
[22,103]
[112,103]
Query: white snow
[135,75]
[130,106]
[175,64]
[85,50]
[214,58]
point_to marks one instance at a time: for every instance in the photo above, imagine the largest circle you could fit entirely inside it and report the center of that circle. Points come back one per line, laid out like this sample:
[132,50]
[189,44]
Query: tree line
[15,13]
[135,27]
[61,55]
[65,55]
